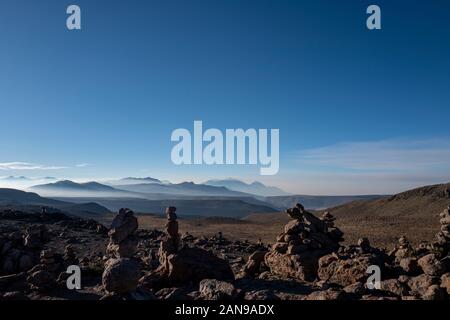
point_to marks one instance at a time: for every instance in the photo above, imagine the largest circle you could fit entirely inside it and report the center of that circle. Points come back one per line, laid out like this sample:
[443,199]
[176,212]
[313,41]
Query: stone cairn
[181,263]
[170,245]
[403,250]
[122,239]
[122,271]
[305,239]
[70,257]
[172,228]
[443,236]
[43,276]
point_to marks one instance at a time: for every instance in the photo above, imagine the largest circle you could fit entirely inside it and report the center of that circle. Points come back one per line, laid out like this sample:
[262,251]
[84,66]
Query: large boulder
[41,280]
[302,267]
[346,270]
[193,265]
[121,275]
[420,284]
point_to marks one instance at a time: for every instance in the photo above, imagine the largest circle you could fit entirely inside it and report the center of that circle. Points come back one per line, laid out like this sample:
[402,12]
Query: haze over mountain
[194,207]
[256,188]
[184,188]
[67,188]
[132,180]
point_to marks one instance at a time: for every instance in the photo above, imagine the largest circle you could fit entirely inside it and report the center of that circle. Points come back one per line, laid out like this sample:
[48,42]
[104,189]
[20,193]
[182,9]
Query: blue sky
[102,102]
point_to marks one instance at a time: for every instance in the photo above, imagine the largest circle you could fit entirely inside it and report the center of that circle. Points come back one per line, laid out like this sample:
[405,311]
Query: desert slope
[414,213]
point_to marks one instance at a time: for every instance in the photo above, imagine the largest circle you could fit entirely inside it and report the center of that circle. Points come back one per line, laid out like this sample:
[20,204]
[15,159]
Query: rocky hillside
[413,213]
[316,202]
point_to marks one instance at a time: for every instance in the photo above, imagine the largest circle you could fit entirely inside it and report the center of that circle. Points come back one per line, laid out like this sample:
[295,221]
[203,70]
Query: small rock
[330,294]
[212,289]
[434,292]
[355,288]
[409,265]
[431,265]
[393,286]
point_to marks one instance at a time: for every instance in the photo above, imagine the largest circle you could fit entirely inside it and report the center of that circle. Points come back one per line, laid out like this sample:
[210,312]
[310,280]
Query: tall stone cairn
[172,228]
[122,271]
[171,244]
[443,236]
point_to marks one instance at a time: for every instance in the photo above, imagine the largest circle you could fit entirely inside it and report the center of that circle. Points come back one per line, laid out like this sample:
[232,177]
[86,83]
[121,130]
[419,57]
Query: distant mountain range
[67,188]
[256,188]
[20,199]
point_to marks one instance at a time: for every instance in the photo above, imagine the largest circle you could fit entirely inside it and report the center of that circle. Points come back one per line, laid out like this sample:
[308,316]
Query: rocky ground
[307,261]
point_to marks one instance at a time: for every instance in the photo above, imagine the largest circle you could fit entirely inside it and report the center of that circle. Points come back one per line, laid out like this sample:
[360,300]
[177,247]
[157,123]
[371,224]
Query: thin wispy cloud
[82,165]
[396,155]
[28,166]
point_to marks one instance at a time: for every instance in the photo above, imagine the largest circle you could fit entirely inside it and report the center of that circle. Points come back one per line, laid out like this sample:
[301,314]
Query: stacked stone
[172,228]
[404,249]
[19,251]
[35,236]
[443,236]
[181,263]
[305,239]
[70,257]
[171,243]
[42,277]
[328,219]
[122,239]
[50,260]
[307,232]
[122,272]
[364,245]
